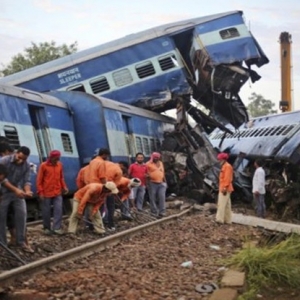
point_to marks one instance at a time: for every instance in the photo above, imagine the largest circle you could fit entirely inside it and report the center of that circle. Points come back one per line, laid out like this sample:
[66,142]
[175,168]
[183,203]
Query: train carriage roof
[127,41]
[31,95]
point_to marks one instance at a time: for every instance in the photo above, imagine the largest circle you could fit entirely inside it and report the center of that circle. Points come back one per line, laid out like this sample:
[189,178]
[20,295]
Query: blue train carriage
[42,123]
[104,123]
[275,137]
[207,57]
[276,140]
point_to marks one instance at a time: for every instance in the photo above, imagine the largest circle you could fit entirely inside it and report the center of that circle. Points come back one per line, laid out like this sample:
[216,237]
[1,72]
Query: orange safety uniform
[80,179]
[124,188]
[226,177]
[50,179]
[155,171]
[91,193]
[96,172]
[113,172]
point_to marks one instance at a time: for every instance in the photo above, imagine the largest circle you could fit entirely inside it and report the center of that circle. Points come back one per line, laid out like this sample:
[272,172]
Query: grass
[269,265]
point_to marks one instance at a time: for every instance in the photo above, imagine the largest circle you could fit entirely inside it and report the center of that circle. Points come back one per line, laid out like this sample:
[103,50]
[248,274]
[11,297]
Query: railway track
[7,277]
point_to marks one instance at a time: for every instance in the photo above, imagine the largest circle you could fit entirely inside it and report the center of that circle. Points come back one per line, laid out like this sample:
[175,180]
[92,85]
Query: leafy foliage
[259,106]
[37,54]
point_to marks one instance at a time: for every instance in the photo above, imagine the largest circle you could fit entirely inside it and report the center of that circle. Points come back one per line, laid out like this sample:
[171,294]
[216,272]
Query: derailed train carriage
[76,123]
[208,59]
[276,140]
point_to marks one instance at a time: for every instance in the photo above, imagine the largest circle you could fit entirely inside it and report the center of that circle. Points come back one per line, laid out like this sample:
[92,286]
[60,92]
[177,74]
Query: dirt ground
[148,266]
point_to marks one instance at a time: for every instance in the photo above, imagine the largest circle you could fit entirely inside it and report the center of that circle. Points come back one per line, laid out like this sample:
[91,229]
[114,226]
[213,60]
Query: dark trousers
[260,205]
[110,205]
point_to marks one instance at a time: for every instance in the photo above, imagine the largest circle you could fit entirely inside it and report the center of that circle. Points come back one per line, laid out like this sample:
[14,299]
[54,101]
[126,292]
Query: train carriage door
[41,130]
[129,140]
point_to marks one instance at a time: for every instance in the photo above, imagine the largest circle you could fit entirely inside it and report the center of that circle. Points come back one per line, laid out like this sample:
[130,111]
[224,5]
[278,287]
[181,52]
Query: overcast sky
[93,22]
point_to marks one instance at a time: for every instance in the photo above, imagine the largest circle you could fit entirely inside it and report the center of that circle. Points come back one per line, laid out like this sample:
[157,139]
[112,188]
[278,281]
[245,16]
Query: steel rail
[84,250]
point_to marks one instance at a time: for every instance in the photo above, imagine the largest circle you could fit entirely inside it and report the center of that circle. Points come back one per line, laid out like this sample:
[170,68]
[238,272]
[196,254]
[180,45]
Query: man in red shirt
[50,186]
[139,170]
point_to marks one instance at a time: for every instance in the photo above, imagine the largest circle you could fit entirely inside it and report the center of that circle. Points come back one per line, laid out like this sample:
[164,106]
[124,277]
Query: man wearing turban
[50,186]
[225,190]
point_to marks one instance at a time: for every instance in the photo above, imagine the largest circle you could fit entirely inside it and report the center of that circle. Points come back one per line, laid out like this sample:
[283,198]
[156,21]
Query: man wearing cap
[91,197]
[225,190]
[157,184]
[125,187]
[50,186]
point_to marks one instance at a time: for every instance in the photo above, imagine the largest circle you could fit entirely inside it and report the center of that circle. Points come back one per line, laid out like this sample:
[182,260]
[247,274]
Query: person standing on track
[14,191]
[139,170]
[225,190]
[51,185]
[157,185]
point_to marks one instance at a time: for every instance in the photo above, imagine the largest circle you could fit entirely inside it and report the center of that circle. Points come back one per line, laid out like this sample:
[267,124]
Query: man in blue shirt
[14,190]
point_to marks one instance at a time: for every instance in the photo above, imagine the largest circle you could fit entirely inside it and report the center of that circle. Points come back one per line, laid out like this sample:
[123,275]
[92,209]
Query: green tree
[259,106]
[37,54]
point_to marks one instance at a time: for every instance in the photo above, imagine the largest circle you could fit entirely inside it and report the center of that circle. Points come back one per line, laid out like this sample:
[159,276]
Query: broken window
[229,33]
[99,85]
[122,77]
[145,69]
[78,88]
[66,142]
[10,132]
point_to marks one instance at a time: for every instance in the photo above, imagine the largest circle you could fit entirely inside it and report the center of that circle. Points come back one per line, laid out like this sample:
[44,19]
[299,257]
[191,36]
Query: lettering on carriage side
[69,76]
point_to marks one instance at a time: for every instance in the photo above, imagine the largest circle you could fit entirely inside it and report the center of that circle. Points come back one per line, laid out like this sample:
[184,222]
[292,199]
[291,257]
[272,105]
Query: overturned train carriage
[276,140]
[208,59]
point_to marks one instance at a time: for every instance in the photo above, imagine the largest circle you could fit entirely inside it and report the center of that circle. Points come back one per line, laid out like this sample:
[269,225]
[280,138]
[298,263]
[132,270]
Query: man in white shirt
[259,190]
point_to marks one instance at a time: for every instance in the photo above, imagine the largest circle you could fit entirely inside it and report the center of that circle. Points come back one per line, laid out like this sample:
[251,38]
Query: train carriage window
[11,134]
[146,146]
[229,33]
[77,88]
[138,144]
[157,144]
[122,77]
[66,141]
[152,145]
[167,62]
[99,85]
[145,69]
[287,130]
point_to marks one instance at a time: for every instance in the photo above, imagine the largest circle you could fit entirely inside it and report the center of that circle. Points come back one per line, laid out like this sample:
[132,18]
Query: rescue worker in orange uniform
[50,186]
[225,190]
[96,172]
[80,179]
[90,197]
[125,187]
[157,185]
[113,172]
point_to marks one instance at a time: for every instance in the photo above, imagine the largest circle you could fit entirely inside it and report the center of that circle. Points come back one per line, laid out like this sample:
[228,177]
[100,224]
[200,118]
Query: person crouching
[125,187]
[90,197]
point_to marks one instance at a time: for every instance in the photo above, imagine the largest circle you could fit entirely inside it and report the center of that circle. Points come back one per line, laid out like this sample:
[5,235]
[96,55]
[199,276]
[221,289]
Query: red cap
[222,156]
